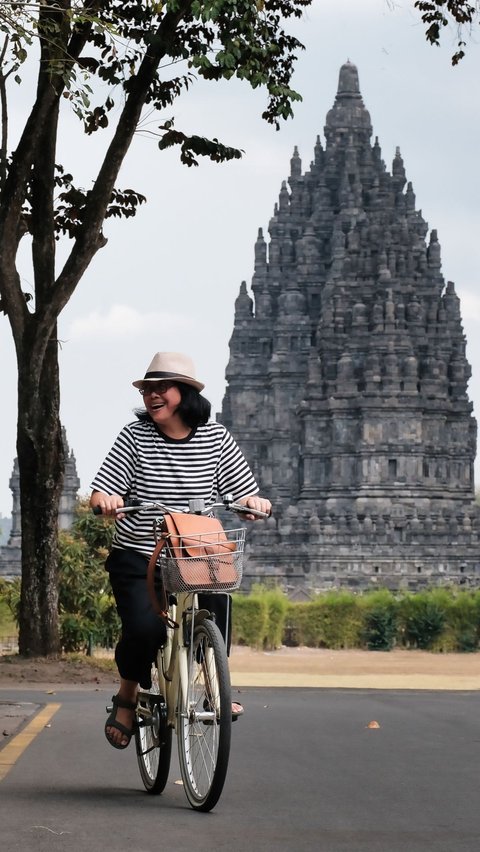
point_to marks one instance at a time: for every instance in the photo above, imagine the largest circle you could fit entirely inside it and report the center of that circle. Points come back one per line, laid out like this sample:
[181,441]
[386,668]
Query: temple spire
[295,164]
[348,121]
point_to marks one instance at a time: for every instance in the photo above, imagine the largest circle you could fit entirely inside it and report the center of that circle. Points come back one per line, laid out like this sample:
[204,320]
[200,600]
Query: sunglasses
[156,387]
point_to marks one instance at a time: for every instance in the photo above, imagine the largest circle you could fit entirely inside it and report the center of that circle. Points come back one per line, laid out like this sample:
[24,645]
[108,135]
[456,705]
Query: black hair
[194,409]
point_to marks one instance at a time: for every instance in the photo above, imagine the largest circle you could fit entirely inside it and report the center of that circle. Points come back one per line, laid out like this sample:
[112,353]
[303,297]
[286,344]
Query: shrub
[303,624]
[463,621]
[276,603]
[249,620]
[423,617]
[87,612]
[9,597]
[379,630]
[10,601]
[86,606]
[341,618]
[332,620]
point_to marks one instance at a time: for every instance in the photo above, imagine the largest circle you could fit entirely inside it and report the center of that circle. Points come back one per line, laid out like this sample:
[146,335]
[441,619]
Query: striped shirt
[146,465]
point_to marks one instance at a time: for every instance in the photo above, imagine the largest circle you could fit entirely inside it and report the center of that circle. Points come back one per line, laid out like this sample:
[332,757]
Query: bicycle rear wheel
[205,722]
[153,738]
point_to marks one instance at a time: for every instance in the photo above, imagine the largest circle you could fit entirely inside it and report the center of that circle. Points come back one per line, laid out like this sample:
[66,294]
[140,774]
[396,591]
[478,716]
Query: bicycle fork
[196,671]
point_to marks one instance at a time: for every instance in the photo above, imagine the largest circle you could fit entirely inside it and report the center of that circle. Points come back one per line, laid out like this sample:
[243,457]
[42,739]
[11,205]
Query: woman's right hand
[108,503]
[260,504]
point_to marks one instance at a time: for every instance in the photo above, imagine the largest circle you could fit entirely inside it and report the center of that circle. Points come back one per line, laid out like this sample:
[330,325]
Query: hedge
[438,619]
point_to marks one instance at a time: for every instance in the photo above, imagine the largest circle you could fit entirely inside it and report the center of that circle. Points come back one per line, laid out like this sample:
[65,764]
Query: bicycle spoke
[152,740]
[205,723]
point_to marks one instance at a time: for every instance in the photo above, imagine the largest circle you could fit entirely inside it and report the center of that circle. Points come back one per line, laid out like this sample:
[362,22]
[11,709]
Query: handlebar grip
[257,513]
[129,504]
[246,510]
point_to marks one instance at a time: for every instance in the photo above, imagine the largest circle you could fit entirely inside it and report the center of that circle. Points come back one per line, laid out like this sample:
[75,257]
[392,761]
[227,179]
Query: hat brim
[171,377]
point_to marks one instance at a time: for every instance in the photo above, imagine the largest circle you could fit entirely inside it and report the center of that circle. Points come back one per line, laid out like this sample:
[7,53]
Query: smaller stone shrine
[11,553]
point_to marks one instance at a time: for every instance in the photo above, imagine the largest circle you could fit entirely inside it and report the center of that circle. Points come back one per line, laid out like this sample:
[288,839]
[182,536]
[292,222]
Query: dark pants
[143,632]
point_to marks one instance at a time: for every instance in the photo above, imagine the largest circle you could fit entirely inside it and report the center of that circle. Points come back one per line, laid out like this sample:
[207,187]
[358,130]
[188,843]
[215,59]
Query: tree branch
[91,238]
[4,109]
[14,190]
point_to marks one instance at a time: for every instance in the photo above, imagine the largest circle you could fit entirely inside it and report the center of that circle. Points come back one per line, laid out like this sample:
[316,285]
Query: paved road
[306,773]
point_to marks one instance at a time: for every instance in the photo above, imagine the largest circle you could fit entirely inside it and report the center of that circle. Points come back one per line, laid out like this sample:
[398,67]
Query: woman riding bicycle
[172,453]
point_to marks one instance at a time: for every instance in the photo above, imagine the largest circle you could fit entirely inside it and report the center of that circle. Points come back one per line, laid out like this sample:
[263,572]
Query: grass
[8,626]
[104,664]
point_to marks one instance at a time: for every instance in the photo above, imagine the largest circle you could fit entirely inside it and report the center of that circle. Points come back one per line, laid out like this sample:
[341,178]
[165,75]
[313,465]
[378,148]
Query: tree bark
[41,464]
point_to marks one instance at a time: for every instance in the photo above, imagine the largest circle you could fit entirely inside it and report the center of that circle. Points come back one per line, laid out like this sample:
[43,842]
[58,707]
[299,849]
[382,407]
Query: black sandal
[112,722]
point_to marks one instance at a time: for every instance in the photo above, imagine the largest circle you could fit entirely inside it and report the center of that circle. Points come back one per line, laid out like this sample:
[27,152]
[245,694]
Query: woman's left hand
[260,504]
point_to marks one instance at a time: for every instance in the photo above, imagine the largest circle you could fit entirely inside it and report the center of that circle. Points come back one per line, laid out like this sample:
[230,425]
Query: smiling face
[161,401]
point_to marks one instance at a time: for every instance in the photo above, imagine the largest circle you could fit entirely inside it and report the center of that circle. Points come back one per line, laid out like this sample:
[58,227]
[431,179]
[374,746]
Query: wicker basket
[212,572]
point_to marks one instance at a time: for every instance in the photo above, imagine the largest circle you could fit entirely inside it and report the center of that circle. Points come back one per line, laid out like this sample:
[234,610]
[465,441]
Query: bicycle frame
[173,659]
[174,656]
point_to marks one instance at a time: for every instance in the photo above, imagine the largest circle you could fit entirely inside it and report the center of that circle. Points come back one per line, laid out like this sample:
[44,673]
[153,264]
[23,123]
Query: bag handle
[160,608]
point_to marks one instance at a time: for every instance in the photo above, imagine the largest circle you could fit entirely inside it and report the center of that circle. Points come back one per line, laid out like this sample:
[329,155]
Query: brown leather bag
[196,555]
[195,535]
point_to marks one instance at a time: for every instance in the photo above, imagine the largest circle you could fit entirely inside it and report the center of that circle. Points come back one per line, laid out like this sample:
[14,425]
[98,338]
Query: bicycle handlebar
[196,507]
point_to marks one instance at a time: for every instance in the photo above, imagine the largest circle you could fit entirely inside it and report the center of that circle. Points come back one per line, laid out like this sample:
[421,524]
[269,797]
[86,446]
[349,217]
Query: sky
[168,279]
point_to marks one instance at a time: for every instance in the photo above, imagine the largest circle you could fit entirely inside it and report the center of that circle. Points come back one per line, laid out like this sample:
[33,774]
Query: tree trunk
[41,465]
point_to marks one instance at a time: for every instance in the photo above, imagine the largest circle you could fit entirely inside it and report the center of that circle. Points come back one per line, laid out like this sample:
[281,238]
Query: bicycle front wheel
[153,738]
[205,719]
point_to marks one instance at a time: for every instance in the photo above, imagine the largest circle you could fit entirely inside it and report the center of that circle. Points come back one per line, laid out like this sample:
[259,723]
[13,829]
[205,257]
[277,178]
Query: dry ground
[286,666]
[69,671]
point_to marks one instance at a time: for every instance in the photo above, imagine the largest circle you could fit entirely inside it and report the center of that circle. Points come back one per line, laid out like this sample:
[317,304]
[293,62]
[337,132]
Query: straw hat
[172,366]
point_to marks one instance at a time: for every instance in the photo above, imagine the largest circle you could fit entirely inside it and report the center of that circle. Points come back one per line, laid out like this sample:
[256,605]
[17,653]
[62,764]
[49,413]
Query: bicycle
[190,691]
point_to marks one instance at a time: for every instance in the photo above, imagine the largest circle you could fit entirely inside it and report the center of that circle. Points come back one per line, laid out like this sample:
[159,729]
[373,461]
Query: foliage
[249,620]
[380,620]
[331,620]
[86,606]
[7,622]
[462,631]
[301,625]
[341,620]
[9,602]
[439,620]
[112,62]
[93,55]
[276,609]
[96,530]
[10,599]
[439,14]
[424,616]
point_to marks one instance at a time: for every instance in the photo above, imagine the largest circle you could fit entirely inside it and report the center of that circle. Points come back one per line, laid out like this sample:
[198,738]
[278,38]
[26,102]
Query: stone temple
[347,378]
